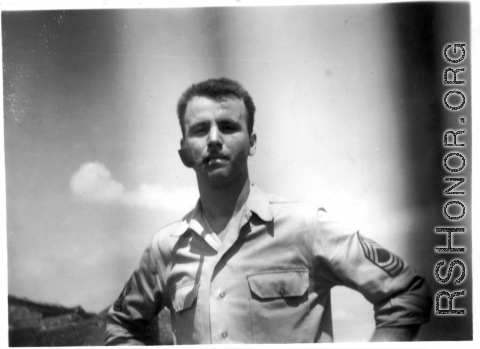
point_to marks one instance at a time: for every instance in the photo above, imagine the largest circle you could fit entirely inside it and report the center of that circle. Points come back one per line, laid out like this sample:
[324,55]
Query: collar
[257,202]
[195,222]
[192,221]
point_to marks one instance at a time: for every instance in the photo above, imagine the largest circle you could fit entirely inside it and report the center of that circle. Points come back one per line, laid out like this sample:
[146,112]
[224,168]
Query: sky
[91,134]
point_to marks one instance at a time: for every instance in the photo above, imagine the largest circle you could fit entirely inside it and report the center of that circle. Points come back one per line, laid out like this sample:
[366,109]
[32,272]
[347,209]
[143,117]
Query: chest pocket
[186,322]
[184,296]
[282,284]
[276,305]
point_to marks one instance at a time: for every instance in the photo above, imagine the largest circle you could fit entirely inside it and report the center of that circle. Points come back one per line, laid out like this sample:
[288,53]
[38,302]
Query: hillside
[36,324]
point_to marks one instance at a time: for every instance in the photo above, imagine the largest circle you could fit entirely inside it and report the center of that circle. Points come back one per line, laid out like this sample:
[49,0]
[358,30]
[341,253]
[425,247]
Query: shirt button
[224,334]
[222,294]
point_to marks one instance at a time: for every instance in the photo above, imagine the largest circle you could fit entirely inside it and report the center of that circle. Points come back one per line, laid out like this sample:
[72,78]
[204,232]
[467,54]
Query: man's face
[216,131]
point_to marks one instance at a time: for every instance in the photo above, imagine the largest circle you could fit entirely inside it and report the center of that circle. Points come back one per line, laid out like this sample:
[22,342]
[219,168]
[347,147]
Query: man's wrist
[395,334]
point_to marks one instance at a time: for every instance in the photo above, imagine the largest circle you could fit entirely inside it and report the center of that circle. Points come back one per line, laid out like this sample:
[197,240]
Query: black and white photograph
[237,173]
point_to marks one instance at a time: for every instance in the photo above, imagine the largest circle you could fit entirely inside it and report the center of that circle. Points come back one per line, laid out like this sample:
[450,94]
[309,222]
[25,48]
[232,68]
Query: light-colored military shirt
[268,281]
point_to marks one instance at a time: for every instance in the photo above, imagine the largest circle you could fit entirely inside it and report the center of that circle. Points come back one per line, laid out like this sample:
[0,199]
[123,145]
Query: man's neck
[219,203]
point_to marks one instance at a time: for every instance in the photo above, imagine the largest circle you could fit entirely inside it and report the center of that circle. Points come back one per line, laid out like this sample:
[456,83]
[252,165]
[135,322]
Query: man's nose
[214,137]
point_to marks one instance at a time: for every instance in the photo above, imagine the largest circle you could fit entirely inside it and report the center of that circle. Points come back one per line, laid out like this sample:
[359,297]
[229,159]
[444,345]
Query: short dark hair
[216,89]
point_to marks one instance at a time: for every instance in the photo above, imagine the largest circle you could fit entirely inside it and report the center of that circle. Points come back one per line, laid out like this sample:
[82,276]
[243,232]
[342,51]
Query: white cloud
[93,182]
[155,196]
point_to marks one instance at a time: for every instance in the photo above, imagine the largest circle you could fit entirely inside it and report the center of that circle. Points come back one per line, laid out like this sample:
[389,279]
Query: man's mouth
[214,158]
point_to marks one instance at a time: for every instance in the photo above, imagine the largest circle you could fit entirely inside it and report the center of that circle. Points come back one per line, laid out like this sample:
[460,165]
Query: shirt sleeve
[343,257]
[139,302]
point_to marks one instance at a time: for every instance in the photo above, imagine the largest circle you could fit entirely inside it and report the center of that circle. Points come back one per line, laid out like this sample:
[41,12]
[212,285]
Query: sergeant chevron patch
[379,256]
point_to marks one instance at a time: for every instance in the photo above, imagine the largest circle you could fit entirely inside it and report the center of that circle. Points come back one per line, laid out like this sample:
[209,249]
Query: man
[248,267]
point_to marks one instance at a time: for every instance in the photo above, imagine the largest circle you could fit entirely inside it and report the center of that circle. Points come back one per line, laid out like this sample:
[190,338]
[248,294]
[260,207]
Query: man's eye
[198,131]
[229,128]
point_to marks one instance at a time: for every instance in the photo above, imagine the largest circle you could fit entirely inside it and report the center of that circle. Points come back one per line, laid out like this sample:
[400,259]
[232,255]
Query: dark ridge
[37,324]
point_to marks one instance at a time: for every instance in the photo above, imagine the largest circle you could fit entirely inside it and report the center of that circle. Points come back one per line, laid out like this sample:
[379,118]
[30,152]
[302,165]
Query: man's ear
[253,144]
[186,154]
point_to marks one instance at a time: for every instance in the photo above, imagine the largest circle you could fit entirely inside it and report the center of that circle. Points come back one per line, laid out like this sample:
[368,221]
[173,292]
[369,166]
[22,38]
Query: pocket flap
[279,284]
[184,296]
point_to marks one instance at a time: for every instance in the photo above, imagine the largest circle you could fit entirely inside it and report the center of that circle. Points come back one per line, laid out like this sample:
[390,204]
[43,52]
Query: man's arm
[140,301]
[400,296]
[395,334]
